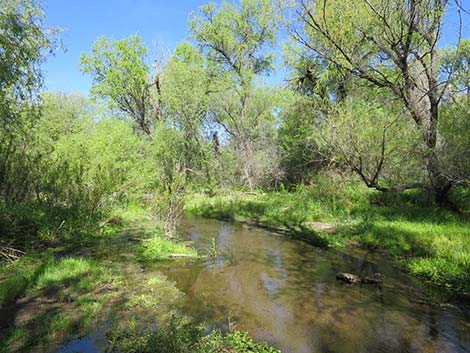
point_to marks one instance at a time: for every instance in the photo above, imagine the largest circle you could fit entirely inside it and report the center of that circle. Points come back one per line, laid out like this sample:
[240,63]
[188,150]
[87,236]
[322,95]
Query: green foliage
[454,128]
[184,91]
[455,65]
[179,337]
[24,43]
[121,77]
[163,176]
[159,248]
[377,41]
[236,41]
[301,156]
[82,165]
[232,32]
[370,136]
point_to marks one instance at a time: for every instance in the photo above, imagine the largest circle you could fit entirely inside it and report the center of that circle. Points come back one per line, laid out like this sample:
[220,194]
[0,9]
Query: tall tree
[236,39]
[392,45]
[24,44]
[121,76]
[185,88]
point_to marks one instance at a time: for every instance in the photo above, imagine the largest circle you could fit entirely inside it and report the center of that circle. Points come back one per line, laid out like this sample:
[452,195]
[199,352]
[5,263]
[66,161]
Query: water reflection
[285,292]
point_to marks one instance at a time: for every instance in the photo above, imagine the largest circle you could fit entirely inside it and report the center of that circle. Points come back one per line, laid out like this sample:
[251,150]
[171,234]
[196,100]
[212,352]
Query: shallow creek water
[284,292]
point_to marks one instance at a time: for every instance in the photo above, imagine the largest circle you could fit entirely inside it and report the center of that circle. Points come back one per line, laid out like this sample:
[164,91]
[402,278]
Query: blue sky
[160,21]
[156,21]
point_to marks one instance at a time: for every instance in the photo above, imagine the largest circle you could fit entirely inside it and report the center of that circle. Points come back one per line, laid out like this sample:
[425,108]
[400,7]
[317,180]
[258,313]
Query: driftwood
[10,254]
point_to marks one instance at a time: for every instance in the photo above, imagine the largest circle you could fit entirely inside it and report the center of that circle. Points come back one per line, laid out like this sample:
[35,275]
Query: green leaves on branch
[122,78]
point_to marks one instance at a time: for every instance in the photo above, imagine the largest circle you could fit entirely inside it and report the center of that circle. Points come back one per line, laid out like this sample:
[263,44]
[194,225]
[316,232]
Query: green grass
[159,248]
[438,252]
[423,239]
[63,297]
[18,278]
[75,273]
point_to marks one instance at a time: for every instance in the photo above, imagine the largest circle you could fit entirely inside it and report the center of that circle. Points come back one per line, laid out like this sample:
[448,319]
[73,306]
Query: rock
[348,277]
[321,227]
[376,278]
[181,256]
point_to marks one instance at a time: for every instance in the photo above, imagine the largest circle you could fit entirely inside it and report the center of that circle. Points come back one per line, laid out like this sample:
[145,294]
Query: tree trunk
[423,104]
[246,144]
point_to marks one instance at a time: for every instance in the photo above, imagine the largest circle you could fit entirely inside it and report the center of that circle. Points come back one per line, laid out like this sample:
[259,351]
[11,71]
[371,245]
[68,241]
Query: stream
[284,292]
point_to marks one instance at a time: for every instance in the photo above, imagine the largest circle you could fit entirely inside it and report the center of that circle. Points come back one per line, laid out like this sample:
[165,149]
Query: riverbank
[428,242]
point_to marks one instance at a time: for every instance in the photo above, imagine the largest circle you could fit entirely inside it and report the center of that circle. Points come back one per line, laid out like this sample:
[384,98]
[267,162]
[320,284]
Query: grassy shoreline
[430,243]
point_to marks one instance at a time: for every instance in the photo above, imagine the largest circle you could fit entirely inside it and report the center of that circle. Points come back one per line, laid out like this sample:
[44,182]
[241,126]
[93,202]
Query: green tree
[301,156]
[371,136]
[391,45]
[454,124]
[121,77]
[454,130]
[455,65]
[236,40]
[25,43]
[163,175]
[185,89]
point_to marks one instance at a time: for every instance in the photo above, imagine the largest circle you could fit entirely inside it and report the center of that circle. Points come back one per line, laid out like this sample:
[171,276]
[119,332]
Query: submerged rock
[376,278]
[348,277]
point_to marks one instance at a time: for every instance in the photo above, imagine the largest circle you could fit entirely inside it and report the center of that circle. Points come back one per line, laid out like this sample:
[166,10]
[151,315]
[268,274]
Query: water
[284,292]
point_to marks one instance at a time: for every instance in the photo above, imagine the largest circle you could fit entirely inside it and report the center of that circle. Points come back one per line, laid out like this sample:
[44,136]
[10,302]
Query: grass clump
[159,248]
[178,337]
